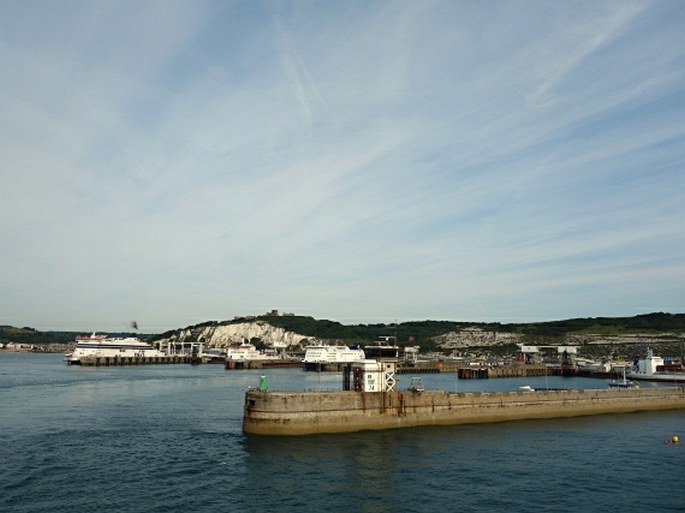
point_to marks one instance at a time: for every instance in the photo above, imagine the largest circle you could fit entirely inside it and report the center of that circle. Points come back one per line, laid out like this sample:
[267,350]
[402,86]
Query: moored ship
[248,352]
[247,356]
[100,346]
[321,355]
[656,368]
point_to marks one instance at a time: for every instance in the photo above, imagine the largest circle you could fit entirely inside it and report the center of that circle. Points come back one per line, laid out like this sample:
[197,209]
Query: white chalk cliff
[227,334]
[223,335]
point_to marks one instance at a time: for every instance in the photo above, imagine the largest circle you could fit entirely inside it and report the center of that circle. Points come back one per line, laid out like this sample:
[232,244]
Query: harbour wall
[105,361]
[303,413]
[464,372]
[262,364]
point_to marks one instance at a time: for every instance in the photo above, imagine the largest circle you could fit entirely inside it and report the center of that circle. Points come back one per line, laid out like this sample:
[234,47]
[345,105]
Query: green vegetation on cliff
[421,330]
[12,335]
[646,323]
[407,333]
[29,336]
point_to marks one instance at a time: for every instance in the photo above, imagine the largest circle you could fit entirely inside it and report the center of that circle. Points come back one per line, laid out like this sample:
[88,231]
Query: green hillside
[420,332]
[407,333]
[10,334]
[26,335]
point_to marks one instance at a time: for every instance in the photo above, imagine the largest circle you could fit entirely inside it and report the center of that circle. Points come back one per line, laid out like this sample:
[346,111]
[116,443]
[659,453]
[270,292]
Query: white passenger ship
[95,345]
[323,353]
[248,352]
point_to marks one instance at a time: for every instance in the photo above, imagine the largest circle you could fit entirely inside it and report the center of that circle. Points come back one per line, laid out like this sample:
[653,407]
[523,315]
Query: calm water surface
[168,439]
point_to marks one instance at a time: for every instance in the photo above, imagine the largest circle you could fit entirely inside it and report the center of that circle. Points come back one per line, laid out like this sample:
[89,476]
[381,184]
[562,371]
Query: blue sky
[176,162]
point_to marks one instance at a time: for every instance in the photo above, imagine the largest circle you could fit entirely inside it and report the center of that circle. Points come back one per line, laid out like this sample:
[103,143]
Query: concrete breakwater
[303,413]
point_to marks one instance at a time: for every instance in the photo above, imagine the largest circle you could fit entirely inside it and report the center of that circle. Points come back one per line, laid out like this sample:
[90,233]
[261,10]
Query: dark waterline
[168,439]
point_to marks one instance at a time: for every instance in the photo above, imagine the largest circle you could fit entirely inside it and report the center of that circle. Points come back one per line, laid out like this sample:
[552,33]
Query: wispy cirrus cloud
[352,161]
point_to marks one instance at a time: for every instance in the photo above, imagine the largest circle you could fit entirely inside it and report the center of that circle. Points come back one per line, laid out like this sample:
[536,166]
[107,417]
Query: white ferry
[332,354]
[324,354]
[246,352]
[95,345]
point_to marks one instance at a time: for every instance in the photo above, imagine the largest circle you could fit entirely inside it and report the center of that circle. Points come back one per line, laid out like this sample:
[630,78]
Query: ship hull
[664,377]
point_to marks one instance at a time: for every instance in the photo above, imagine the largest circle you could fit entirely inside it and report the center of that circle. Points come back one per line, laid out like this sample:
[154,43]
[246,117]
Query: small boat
[526,388]
[623,383]
[416,385]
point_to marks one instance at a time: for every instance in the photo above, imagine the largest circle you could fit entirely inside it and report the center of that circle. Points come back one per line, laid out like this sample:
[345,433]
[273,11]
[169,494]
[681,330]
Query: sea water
[167,438]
